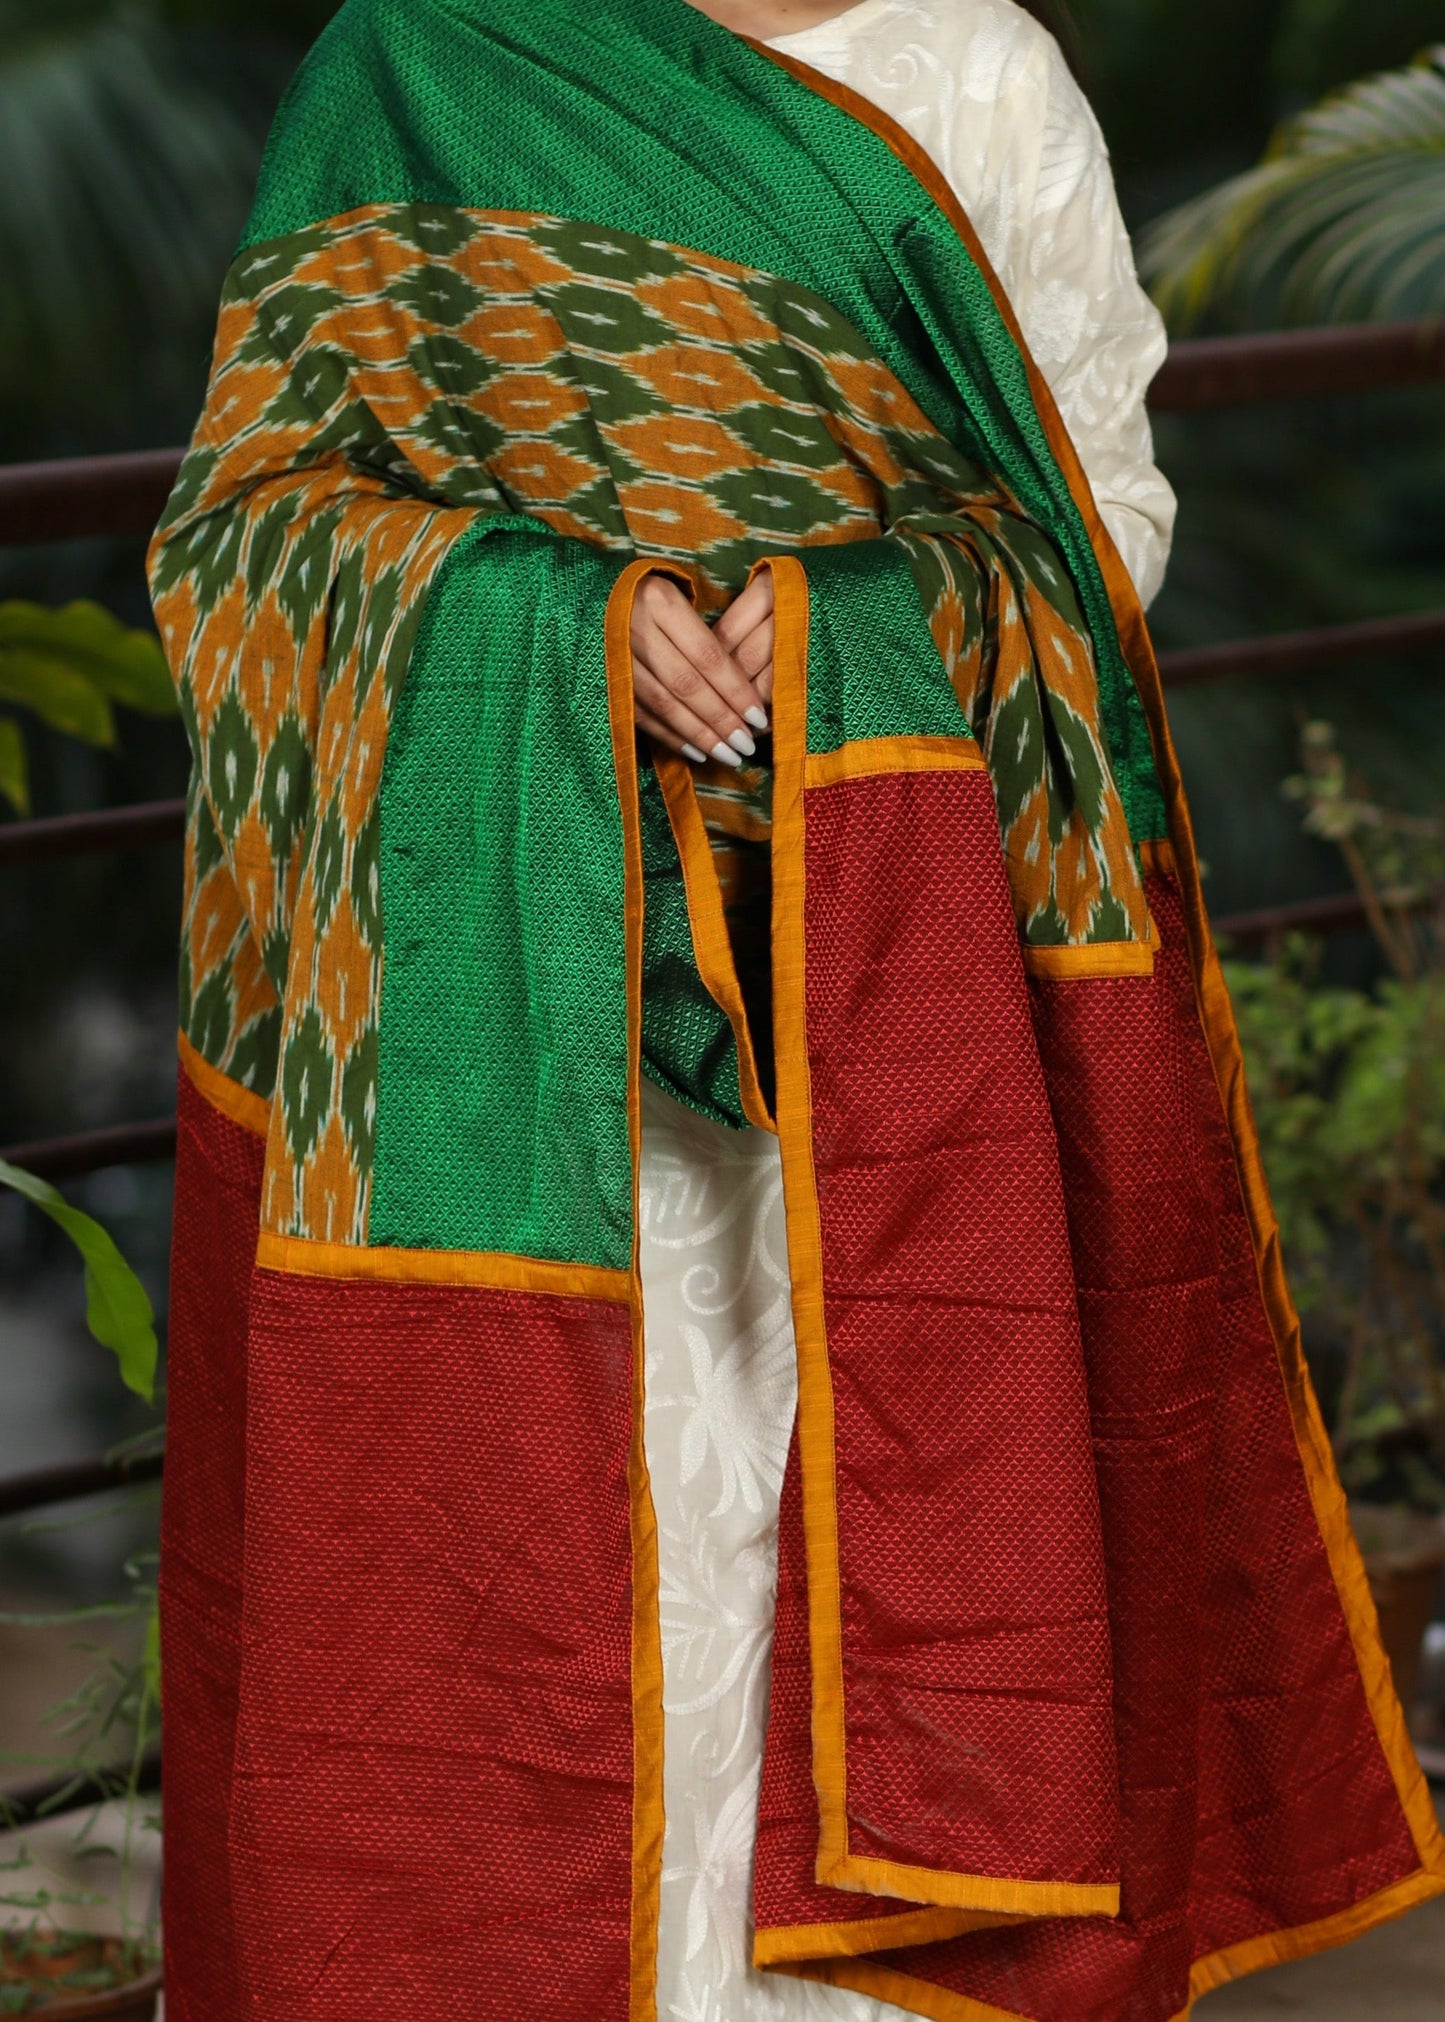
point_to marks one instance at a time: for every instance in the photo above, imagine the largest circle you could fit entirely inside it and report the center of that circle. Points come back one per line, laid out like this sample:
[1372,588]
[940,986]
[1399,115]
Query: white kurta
[984,90]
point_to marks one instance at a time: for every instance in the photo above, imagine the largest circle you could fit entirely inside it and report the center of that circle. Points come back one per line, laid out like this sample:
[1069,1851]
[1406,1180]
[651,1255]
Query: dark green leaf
[118,1310]
[123,664]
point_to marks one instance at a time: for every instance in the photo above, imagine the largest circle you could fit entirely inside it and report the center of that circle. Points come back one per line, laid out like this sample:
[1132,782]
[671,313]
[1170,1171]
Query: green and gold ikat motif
[386,380]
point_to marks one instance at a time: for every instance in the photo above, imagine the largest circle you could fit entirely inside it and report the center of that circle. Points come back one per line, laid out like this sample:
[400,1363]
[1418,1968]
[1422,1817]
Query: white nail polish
[757,717]
[740,741]
[691,751]
[725,754]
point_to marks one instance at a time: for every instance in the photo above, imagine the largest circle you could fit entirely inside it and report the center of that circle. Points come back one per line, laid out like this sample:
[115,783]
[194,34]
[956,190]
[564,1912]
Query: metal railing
[111,496]
[124,495]
[43,1487]
[27,1804]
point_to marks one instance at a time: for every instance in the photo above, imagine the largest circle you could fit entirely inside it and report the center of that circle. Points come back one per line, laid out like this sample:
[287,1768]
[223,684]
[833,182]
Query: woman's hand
[745,629]
[691,693]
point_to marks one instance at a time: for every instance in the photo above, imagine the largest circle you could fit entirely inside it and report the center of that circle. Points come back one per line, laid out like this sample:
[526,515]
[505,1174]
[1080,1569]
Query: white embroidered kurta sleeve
[984,90]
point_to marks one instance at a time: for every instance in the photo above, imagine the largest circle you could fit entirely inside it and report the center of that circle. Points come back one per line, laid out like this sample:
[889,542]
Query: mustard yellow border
[1278,1948]
[805,1239]
[301,1257]
[783,1944]
[1096,958]
[711,943]
[868,757]
[1178,858]
[988,1893]
[242,1105]
[922,1997]
[836,1866]
[648,1813]
[800,1203]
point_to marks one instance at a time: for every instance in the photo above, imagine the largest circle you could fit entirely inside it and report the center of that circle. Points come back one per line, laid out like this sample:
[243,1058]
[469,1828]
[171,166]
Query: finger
[655,693]
[747,610]
[754,651]
[668,665]
[669,639]
[705,654]
[661,734]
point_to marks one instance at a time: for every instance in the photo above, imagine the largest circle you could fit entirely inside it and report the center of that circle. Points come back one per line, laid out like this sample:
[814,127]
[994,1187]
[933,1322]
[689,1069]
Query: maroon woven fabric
[434,1759]
[1088,1616]
[430,1811]
[975,1636]
[218,1191]
[1254,1793]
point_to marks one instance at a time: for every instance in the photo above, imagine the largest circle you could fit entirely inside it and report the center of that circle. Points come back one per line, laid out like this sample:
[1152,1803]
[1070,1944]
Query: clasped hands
[701,689]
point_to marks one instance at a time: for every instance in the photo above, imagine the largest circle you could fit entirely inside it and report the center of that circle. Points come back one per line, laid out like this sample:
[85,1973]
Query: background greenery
[130,132]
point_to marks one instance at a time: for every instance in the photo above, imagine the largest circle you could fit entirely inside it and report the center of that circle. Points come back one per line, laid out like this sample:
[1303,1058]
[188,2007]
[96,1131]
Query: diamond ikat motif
[384,379]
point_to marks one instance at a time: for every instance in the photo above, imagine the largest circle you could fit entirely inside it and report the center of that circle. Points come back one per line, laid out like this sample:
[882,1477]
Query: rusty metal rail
[1214,372]
[1337,915]
[54,1796]
[59,1158]
[81,497]
[1303,652]
[75,835]
[43,1487]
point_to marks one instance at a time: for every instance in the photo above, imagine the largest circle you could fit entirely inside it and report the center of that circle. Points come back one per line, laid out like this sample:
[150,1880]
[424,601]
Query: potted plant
[1349,1088]
[108,1725]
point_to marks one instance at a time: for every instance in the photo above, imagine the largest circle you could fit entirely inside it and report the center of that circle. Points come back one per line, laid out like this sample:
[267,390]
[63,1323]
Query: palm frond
[1344,220]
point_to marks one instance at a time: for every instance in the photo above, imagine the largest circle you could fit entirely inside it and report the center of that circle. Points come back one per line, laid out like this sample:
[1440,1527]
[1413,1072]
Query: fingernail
[740,741]
[726,755]
[757,717]
[691,751]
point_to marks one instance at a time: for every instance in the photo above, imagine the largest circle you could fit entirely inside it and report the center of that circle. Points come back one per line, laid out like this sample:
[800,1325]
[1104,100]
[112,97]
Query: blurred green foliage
[118,1310]
[1188,92]
[1348,1086]
[1344,220]
[70,668]
[132,135]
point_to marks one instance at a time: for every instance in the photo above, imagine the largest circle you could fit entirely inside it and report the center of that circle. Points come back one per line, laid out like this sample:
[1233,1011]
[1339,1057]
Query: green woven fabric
[505,320]
[863,618]
[502,1084]
[574,110]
